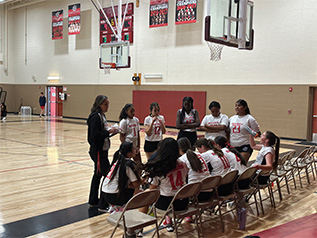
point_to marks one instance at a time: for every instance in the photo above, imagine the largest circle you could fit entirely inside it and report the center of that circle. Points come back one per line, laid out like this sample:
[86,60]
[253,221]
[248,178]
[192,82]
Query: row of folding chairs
[289,166]
[130,219]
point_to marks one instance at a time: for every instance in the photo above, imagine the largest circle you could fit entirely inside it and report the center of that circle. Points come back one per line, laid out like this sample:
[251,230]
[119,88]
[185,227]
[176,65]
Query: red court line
[302,227]
[43,165]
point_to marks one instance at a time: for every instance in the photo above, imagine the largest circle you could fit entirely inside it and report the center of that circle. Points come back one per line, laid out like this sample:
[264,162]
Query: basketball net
[215,51]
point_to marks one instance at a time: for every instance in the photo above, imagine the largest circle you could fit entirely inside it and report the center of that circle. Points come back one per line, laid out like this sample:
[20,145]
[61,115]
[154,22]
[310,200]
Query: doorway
[55,102]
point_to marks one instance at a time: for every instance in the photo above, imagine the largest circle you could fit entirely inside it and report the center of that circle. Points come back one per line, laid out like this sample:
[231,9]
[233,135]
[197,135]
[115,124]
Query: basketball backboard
[229,22]
[115,55]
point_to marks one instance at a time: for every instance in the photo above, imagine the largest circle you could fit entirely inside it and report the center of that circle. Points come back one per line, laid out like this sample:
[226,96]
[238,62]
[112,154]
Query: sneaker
[139,233]
[169,226]
[103,210]
[5,118]
[188,219]
[93,205]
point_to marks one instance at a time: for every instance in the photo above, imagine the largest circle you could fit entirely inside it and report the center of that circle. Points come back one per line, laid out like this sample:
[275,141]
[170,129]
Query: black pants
[191,136]
[96,178]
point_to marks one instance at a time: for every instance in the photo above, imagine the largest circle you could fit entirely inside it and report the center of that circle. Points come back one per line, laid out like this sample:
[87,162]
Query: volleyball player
[154,125]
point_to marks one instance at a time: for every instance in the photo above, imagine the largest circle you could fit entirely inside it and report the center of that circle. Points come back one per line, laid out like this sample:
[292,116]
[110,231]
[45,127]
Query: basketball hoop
[107,66]
[215,51]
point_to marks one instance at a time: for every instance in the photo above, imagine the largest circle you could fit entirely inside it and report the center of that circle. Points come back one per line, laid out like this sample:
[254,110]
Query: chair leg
[256,205]
[300,179]
[286,181]
[221,220]
[307,174]
[294,179]
[271,196]
[312,170]
[261,203]
[279,189]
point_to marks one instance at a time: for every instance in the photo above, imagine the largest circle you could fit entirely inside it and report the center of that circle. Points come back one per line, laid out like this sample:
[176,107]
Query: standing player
[130,129]
[216,123]
[239,136]
[154,129]
[187,121]
[42,102]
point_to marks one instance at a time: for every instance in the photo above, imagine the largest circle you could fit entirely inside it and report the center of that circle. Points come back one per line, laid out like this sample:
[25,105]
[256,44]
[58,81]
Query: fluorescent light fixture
[153,76]
[53,78]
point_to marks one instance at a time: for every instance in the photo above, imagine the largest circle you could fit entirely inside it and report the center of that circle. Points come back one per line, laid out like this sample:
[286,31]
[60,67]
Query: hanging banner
[74,19]
[158,13]
[57,25]
[185,11]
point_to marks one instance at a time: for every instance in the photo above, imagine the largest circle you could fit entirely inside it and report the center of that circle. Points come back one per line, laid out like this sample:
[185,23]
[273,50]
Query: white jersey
[234,160]
[130,127]
[189,118]
[239,136]
[220,165]
[210,120]
[112,186]
[194,176]
[156,129]
[173,181]
[261,156]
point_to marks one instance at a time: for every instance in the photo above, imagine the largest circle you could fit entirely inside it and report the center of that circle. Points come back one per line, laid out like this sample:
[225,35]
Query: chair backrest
[283,159]
[188,190]
[229,177]
[210,182]
[303,153]
[143,199]
[291,154]
[248,173]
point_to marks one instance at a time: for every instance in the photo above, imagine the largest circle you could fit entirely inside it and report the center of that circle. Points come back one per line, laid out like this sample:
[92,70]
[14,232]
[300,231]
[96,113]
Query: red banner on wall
[185,11]
[74,19]
[158,13]
[57,25]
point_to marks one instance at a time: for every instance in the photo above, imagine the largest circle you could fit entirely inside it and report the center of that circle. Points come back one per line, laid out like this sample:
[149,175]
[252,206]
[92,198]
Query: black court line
[42,223]
[20,142]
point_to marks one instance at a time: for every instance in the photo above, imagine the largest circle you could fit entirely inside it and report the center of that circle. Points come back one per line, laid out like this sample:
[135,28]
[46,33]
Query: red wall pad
[169,101]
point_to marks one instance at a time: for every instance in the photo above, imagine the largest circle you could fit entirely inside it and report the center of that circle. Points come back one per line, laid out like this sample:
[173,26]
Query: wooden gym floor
[45,177]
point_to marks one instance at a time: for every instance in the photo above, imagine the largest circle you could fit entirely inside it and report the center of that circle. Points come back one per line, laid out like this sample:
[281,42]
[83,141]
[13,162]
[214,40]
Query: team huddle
[227,145]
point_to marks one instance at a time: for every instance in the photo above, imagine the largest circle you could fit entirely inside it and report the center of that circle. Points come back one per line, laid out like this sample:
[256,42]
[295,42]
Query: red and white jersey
[130,128]
[173,181]
[156,129]
[234,160]
[112,186]
[194,176]
[210,120]
[189,118]
[239,136]
[220,164]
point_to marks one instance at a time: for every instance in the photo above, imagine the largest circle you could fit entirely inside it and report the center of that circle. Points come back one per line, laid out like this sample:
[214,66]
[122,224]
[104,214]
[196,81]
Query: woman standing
[154,129]
[216,123]
[187,121]
[98,139]
[239,136]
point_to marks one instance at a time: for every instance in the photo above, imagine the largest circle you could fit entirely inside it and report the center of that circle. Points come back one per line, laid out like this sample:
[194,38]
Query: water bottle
[252,132]
[242,218]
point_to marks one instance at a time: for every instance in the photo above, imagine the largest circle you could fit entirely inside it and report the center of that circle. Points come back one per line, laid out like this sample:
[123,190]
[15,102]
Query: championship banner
[57,25]
[185,11]
[158,13]
[74,19]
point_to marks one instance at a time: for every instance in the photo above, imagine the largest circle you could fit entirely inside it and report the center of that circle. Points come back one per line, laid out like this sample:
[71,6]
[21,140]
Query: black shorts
[150,146]
[113,199]
[163,202]
[191,136]
[204,196]
[244,149]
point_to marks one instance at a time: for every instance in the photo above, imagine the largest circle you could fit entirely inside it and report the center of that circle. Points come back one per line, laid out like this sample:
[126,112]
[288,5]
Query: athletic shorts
[191,136]
[113,199]
[42,107]
[204,196]
[244,149]
[179,205]
[150,146]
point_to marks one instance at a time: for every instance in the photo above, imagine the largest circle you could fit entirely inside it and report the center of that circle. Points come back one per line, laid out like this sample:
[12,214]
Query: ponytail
[274,140]
[123,113]
[184,145]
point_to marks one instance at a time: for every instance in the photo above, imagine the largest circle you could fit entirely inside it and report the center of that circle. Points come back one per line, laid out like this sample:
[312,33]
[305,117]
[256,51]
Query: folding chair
[210,183]
[226,184]
[287,166]
[245,193]
[309,160]
[187,191]
[260,187]
[130,219]
[299,164]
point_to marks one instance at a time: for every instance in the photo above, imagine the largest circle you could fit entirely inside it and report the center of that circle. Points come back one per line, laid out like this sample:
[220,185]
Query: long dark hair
[153,105]
[185,146]
[165,160]
[209,144]
[186,99]
[123,113]
[274,140]
[121,164]
[245,104]
[223,143]
[98,101]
